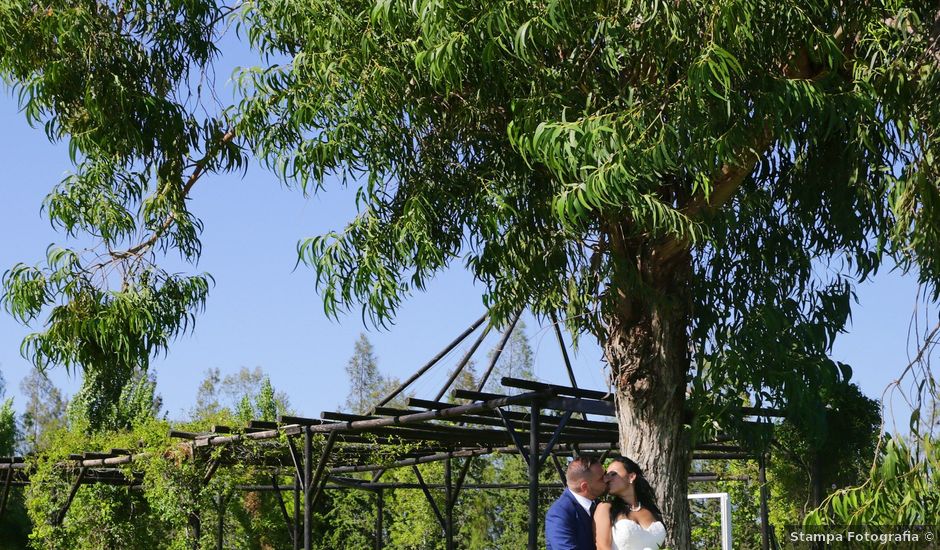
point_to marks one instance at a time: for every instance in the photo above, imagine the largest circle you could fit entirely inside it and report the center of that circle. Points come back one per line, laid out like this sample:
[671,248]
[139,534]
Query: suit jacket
[568,526]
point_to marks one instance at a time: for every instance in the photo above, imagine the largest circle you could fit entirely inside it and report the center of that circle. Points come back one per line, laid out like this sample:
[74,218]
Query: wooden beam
[430,497]
[463,362]
[531,385]
[281,504]
[520,446]
[401,387]
[514,415]
[418,460]
[554,440]
[60,516]
[295,458]
[452,498]
[321,467]
[589,406]
[8,479]
[497,351]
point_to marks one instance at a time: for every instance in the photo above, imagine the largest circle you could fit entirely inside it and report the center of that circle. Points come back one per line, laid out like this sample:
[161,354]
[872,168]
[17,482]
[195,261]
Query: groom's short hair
[579,468]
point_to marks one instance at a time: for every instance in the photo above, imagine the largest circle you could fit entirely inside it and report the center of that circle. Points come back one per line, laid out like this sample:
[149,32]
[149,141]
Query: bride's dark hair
[641,487]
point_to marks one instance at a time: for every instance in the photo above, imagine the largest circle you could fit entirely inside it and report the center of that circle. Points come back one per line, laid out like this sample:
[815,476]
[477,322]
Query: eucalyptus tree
[696,185]
[128,86]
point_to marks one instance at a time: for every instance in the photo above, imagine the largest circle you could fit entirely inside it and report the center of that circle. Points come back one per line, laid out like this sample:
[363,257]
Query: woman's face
[619,481]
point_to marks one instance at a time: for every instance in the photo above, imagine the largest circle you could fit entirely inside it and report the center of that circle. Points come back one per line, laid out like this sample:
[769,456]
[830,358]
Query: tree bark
[647,349]
[815,480]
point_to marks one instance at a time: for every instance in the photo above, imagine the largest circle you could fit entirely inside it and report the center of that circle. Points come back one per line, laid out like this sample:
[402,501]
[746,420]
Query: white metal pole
[725,504]
[725,522]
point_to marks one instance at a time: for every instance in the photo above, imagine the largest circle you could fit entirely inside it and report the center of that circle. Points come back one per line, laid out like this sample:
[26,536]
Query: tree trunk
[815,479]
[647,349]
[815,488]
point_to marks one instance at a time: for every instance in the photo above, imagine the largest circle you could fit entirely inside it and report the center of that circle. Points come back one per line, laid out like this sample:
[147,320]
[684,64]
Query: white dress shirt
[585,502]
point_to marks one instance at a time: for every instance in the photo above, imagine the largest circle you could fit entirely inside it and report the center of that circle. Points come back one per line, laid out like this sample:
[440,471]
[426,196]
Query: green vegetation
[174,505]
[805,464]
[174,502]
[901,490]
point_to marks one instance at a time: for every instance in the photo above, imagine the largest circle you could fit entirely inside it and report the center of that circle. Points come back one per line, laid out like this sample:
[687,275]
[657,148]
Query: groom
[568,523]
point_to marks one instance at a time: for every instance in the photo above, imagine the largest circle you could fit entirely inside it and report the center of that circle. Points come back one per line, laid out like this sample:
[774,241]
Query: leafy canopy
[572,155]
[122,83]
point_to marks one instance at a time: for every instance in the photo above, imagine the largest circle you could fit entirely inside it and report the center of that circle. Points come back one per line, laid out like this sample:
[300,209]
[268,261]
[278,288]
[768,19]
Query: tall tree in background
[367,384]
[365,380]
[664,176]
[515,360]
[44,411]
[248,392]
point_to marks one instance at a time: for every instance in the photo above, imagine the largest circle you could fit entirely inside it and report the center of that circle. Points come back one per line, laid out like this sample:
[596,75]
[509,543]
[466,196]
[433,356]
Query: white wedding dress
[630,535]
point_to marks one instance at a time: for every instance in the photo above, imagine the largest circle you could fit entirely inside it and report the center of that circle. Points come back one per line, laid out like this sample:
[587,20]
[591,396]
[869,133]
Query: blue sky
[264,312]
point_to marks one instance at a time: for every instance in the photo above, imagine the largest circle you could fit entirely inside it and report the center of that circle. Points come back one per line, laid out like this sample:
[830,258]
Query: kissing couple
[629,521]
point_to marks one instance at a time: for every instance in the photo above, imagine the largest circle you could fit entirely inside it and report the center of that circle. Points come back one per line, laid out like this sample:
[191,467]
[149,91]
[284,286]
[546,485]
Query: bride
[631,521]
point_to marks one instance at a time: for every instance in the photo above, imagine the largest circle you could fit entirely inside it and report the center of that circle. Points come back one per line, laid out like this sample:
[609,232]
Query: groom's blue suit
[568,526]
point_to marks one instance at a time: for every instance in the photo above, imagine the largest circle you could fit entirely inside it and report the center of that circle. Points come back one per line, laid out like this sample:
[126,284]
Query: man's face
[597,482]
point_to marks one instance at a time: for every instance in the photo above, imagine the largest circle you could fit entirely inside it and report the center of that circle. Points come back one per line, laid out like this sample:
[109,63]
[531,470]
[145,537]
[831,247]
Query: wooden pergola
[537,421]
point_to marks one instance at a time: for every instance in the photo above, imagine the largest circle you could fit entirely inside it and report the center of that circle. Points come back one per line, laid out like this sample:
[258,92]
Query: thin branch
[725,183]
[727,179]
[193,178]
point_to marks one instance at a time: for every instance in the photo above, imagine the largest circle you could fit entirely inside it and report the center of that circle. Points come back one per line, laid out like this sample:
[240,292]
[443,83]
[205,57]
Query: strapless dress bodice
[630,535]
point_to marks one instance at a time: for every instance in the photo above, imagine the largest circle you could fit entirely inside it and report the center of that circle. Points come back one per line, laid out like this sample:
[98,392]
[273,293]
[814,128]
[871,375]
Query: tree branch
[728,178]
[139,248]
[725,182]
[933,47]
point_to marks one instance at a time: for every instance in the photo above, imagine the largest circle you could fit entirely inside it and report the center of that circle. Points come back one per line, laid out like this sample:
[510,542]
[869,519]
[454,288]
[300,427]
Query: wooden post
[534,476]
[764,512]
[560,470]
[6,489]
[296,511]
[319,476]
[280,502]
[379,510]
[60,517]
[427,494]
[195,523]
[308,487]
[448,509]
[220,528]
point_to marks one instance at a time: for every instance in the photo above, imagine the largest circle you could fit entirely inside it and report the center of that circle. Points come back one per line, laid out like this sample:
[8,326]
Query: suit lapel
[587,523]
[578,509]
